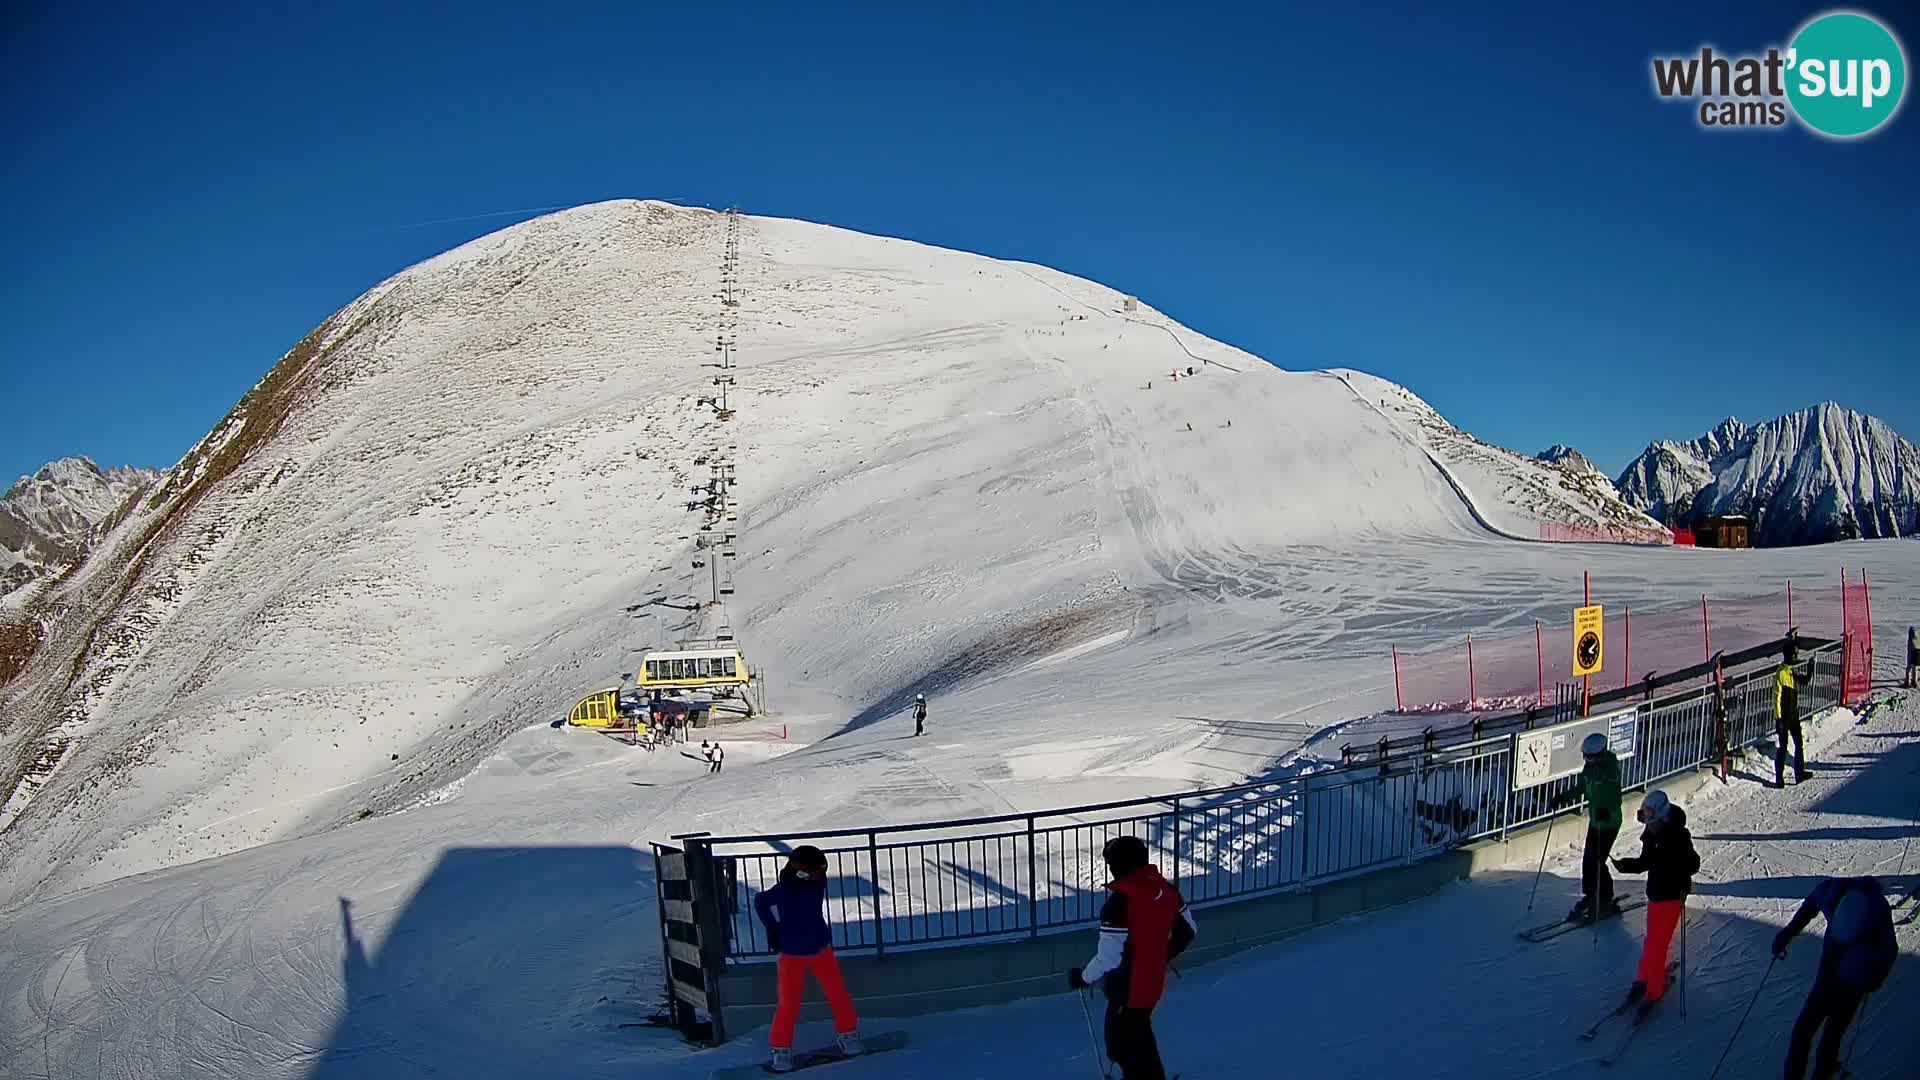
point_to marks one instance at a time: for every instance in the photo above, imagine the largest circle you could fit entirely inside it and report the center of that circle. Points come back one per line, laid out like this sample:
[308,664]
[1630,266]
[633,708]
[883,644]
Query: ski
[1593,1030]
[1548,931]
[1640,1019]
[806,1059]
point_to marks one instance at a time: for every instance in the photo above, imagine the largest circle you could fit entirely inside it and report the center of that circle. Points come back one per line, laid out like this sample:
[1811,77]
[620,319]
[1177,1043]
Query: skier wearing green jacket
[1600,785]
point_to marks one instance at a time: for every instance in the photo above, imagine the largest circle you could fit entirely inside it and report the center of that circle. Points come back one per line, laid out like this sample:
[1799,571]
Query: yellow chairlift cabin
[722,671]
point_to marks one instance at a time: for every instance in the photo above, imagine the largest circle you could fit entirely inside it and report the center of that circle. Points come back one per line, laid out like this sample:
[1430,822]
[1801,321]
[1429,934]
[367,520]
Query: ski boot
[1635,994]
[781,1061]
[1582,910]
[850,1044]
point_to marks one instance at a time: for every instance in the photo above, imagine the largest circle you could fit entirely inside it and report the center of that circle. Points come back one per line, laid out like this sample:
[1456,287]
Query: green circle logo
[1846,74]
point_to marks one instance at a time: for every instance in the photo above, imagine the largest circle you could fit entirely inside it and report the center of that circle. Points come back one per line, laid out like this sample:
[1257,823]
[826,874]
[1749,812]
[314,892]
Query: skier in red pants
[794,913]
[1669,861]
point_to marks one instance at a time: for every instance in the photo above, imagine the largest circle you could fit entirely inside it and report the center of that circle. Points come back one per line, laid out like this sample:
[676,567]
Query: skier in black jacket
[1669,861]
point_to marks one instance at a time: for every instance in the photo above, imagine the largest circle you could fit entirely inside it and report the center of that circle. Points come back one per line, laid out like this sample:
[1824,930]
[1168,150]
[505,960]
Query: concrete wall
[915,981]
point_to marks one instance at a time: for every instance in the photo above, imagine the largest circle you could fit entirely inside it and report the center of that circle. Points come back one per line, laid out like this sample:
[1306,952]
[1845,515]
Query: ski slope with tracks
[313,823]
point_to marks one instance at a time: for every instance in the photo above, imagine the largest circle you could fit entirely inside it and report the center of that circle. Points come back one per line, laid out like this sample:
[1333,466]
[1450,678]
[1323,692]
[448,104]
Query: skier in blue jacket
[794,913]
[1858,955]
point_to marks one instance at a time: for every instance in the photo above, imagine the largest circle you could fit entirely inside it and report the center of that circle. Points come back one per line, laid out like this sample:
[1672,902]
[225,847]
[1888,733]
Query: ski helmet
[1656,804]
[1124,855]
[1593,744]
[1848,923]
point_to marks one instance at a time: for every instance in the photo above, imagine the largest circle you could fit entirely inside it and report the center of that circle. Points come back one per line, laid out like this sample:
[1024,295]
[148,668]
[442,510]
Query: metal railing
[1021,875]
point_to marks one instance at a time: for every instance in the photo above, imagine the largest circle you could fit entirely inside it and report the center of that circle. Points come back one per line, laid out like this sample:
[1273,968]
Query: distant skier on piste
[1600,785]
[1144,925]
[1786,721]
[919,714]
[1913,657]
[1668,859]
[794,913]
[1858,955]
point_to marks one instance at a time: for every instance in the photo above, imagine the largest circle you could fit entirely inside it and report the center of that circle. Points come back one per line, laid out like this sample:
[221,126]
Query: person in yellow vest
[1786,721]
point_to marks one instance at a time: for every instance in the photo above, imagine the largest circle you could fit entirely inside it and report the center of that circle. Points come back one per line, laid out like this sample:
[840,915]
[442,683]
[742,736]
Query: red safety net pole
[1586,681]
[1706,633]
[1398,704]
[1540,665]
[1626,668]
[1846,647]
[1866,594]
[1471,696]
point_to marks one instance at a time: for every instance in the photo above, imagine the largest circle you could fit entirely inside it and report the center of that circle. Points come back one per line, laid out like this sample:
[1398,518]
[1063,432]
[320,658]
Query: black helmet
[1124,855]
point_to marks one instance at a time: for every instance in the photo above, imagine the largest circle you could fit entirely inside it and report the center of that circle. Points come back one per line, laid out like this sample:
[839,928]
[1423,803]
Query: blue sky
[1488,206]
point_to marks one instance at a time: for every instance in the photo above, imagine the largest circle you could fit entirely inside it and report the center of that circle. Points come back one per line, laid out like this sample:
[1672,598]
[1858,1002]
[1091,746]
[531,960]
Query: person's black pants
[1130,1043]
[1782,729]
[1596,885]
[1829,1009]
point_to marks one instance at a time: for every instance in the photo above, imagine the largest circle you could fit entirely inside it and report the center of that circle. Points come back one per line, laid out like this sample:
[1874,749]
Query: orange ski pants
[792,973]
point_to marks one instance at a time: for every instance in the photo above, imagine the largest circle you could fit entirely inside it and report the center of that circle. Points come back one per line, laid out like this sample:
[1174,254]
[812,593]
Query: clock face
[1589,649]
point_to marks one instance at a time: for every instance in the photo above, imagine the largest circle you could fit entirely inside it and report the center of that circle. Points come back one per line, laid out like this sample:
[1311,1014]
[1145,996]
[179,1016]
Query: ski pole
[1684,971]
[1545,843]
[1859,1021]
[1099,1059]
[1743,1018]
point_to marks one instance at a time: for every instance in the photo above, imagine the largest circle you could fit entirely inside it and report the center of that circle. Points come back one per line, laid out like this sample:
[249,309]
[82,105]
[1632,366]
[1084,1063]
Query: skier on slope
[1143,926]
[1786,721]
[794,913]
[919,714]
[1600,786]
[1913,657]
[1859,953]
[1669,861]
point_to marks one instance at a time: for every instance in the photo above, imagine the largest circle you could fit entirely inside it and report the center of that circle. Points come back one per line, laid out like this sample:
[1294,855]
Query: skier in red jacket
[1143,926]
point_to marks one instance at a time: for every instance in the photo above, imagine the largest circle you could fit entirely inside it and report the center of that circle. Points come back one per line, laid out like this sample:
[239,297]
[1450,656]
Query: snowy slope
[425,528]
[1520,496]
[47,520]
[421,531]
[505,934]
[420,538]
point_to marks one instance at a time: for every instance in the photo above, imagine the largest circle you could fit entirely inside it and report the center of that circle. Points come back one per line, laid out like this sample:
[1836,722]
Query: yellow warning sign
[1589,640]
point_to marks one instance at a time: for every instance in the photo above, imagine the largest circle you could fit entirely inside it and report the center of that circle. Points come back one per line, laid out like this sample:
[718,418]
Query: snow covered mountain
[1821,474]
[1568,458]
[47,520]
[452,508]
[1518,496]
[1663,479]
